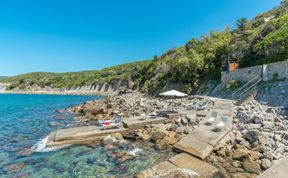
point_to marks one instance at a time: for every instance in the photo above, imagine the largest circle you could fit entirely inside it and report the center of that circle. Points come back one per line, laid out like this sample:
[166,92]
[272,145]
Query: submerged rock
[14,167]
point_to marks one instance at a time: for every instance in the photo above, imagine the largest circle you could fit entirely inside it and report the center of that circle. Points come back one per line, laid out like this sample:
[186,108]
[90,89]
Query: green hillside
[263,39]
[2,77]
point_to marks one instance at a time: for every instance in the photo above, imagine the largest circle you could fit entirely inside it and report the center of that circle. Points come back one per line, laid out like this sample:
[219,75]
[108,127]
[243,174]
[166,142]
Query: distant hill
[3,77]
[263,39]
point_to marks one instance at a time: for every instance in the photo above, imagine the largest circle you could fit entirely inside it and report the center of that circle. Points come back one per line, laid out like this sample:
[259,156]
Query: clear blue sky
[70,35]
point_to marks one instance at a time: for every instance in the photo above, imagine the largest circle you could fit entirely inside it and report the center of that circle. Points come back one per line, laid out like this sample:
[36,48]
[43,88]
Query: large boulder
[240,154]
[158,135]
[252,167]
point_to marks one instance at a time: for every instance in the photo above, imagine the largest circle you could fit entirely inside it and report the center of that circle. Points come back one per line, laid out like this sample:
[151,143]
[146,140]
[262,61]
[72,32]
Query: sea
[27,120]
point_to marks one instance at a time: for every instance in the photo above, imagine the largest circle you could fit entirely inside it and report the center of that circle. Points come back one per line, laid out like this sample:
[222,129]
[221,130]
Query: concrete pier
[86,134]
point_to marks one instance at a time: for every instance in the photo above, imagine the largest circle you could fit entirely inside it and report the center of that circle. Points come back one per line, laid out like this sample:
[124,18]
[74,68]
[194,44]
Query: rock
[143,137]
[265,164]
[55,124]
[184,121]
[123,156]
[277,137]
[108,140]
[190,118]
[25,152]
[257,120]
[245,143]
[147,173]
[285,136]
[158,135]
[118,136]
[180,130]
[14,167]
[228,167]
[252,167]
[240,154]
[169,140]
[173,127]
[186,132]
[251,136]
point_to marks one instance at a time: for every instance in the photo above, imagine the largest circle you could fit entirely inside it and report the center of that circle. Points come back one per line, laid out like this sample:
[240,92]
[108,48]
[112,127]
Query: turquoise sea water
[25,122]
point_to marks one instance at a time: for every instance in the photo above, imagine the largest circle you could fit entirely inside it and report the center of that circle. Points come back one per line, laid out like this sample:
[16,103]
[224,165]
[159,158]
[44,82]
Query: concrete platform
[207,134]
[201,141]
[87,134]
[163,168]
[278,170]
[80,135]
[202,168]
[181,161]
[193,147]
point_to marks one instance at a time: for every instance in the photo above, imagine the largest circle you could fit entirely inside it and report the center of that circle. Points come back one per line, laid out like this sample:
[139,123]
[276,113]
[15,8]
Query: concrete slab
[135,122]
[278,170]
[163,167]
[202,168]
[207,134]
[79,135]
[86,134]
[194,147]
[83,133]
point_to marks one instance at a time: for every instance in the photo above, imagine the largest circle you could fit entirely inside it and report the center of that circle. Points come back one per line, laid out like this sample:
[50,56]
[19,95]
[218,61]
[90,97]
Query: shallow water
[25,121]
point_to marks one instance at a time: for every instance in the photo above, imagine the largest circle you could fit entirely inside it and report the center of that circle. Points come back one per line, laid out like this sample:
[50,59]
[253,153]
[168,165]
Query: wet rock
[123,156]
[91,160]
[118,136]
[25,152]
[14,167]
[55,124]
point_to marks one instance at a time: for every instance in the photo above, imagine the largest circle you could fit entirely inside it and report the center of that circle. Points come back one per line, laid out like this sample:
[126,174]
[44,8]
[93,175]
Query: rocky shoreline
[64,92]
[258,140]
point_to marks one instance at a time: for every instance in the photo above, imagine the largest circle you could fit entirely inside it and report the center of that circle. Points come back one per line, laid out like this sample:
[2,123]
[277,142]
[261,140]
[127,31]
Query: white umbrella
[173,93]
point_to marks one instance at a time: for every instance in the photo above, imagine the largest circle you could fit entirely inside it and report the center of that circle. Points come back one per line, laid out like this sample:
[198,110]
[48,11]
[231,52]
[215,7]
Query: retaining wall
[245,74]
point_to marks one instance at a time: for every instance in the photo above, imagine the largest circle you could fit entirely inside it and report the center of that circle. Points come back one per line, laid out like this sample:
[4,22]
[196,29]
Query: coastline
[66,92]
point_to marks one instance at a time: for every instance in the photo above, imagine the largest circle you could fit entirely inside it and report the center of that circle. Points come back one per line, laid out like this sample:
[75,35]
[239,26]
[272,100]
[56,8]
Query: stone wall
[279,68]
[245,74]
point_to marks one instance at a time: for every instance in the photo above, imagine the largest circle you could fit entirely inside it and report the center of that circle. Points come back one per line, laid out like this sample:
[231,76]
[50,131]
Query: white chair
[221,124]
[212,118]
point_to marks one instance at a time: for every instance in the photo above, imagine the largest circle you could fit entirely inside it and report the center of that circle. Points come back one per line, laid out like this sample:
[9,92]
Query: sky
[77,35]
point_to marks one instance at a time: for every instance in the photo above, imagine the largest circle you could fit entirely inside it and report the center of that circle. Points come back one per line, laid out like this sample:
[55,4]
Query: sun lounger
[221,124]
[194,105]
[212,118]
[202,106]
[117,122]
[144,118]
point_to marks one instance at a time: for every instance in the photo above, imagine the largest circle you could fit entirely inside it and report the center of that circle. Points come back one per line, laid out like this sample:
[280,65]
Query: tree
[241,23]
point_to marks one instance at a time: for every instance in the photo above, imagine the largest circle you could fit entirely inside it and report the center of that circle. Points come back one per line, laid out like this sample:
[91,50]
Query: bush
[233,85]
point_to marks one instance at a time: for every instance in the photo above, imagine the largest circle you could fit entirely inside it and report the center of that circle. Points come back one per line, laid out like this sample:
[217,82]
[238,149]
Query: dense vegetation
[261,40]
